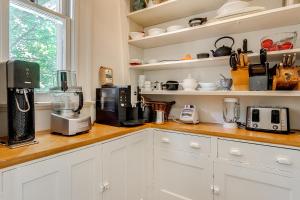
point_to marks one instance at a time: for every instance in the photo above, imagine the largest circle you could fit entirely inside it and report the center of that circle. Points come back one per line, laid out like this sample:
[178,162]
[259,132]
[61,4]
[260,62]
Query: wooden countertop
[50,144]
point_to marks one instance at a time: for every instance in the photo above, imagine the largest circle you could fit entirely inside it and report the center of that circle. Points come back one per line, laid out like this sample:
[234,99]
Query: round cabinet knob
[275,127]
[255,125]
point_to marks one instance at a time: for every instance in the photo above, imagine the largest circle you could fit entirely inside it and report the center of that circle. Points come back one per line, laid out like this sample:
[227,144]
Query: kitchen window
[37,31]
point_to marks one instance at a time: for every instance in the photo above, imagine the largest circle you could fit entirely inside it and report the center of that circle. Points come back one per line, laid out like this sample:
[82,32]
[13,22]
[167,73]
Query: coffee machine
[67,103]
[113,107]
[17,119]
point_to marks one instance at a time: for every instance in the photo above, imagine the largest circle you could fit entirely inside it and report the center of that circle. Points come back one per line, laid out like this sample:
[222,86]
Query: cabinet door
[114,170]
[85,174]
[1,186]
[139,166]
[236,182]
[44,180]
[182,175]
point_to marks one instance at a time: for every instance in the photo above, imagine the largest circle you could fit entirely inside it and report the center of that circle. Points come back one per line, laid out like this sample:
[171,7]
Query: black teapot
[224,50]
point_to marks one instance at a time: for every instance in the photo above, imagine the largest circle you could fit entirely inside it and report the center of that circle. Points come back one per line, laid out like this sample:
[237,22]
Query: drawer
[182,142]
[272,157]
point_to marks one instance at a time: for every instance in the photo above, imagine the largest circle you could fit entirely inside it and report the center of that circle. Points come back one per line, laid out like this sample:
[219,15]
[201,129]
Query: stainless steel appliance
[67,102]
[17,121]
[231,112]
[269,119]
[189,115]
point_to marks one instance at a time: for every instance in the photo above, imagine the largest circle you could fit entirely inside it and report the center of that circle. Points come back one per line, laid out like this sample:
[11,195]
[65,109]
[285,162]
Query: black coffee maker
[17,82]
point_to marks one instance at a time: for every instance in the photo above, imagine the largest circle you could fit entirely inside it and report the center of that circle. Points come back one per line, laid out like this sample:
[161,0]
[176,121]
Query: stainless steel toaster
[268,119]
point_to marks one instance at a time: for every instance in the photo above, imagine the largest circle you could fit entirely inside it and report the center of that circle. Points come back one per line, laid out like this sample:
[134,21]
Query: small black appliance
[113,107]
[17,82]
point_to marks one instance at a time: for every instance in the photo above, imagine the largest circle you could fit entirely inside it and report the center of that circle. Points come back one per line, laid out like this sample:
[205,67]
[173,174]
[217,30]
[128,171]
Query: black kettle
[224,50]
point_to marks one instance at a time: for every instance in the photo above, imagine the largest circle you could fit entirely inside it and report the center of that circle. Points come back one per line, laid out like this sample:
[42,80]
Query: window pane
[50,4]
[35,37]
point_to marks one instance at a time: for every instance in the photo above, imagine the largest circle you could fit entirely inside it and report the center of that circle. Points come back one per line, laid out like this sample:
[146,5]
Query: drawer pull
[195,145]
[283,161]
[236,152]
[165,140]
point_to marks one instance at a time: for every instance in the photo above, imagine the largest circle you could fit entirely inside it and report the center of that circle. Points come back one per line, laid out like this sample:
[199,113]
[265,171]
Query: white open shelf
[173,9]
[226,93]
[268,19]
[220,61]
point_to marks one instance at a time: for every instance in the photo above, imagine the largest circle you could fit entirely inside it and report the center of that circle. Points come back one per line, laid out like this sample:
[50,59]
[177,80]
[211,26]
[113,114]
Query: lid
[231,100]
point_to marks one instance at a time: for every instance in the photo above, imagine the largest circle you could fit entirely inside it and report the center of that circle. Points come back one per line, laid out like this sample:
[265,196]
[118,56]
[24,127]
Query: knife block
[240,79]
[286,78]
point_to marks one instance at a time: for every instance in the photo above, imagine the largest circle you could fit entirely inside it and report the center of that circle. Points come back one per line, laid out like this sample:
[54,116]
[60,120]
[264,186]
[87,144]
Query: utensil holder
[240,79]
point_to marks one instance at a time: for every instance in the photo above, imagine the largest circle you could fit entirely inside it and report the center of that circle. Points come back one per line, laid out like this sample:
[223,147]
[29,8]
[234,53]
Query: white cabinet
[236,182]
[249,171]
[85,174]
[1,186]
[45,180]
[126,167]
[183,167]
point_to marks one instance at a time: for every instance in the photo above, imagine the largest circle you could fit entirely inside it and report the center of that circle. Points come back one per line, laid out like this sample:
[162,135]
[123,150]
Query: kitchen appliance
[231,112]
[17,82]
[113,107]
[223,50]
[67,103]
[189,84]
[269,119]
[189,115]
[259,74]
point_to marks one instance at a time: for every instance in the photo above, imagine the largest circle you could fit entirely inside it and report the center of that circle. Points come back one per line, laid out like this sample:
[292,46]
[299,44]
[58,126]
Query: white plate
[208,89]
[241,12]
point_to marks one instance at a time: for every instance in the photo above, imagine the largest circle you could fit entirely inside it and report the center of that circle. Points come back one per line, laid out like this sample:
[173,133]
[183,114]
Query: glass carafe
[231,112]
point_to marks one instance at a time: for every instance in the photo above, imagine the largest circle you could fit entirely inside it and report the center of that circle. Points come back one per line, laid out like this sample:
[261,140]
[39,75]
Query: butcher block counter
[49,144]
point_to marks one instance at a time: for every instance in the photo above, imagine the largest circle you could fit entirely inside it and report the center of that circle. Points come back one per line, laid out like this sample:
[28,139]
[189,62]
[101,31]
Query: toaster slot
[255,115]
[275,118]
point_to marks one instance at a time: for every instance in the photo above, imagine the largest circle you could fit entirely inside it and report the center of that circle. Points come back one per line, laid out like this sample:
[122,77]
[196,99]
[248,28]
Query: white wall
[210,108]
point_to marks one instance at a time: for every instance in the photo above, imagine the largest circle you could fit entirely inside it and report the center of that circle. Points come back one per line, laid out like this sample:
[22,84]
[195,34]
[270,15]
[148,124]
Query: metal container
[160,117]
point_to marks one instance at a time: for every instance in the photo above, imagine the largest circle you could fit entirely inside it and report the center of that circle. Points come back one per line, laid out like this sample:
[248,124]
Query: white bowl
[156,31]
[152,61]
[136,35]
[232,6]
[175,28]
[207,85]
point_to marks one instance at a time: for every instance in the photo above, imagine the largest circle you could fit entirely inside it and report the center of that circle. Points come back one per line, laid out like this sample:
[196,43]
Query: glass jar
[231,112]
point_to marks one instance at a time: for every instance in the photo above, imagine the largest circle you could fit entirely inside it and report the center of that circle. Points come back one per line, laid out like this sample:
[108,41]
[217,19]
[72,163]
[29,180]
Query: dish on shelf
[279,41]
[207,85]
[235,7]
[152,61]
[156,31]
[136,35]
[135,61]
[175,28]
[197,21]
[242,12]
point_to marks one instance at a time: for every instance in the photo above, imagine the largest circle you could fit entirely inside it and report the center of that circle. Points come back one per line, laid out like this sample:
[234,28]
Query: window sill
[46,105]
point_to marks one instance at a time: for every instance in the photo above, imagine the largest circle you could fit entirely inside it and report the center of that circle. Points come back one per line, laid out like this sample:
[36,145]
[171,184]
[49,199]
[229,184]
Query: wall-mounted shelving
[268,19]
[198,63]
[226,93]
[171,10]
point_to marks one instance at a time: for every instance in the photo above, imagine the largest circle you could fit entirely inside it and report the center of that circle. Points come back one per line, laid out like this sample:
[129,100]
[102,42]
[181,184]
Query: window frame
[67,36]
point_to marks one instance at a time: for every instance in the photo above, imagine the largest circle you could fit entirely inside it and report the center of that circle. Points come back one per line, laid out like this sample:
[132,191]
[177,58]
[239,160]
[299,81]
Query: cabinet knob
[283,161]
[165,140]
[105,187]
[195,145]
[215,189]
[235,152]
